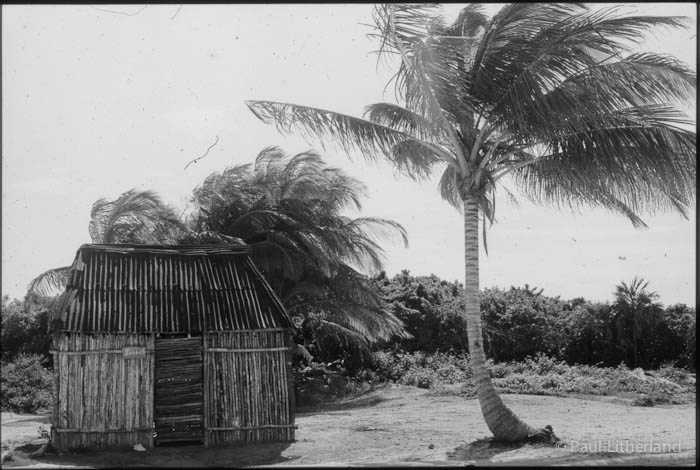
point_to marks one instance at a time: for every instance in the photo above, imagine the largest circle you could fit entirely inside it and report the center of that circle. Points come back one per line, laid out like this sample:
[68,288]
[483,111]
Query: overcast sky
[97,100]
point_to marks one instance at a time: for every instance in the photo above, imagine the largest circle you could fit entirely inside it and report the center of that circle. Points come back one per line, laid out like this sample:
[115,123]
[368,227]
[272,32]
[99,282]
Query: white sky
[99,99]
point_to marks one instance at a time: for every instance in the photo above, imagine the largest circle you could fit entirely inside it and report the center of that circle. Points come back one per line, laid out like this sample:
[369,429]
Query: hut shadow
[361,401]
[315,401]
[35,419]
[184,456]
[347,405]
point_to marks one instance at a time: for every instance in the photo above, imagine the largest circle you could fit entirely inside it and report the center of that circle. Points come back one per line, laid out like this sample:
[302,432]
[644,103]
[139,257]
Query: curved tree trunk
[502,422]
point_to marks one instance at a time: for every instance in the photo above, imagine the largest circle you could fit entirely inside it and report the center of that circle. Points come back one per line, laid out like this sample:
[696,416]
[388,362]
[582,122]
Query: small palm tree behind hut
[159,344]
[136,216]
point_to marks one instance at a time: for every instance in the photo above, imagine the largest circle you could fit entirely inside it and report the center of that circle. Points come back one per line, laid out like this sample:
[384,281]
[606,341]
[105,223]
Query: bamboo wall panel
[103,398]
[246,393]
[132,288]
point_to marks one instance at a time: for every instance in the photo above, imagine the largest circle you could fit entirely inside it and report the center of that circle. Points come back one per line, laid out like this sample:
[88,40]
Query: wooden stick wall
[246,389]
[104,398]
[105,389]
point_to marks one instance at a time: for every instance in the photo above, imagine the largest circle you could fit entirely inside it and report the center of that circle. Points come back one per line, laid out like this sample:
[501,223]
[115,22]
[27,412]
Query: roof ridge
[166,249]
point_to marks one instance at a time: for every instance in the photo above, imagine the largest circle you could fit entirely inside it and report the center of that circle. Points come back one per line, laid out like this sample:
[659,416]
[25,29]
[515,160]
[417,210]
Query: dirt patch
[19,429]
[407,426]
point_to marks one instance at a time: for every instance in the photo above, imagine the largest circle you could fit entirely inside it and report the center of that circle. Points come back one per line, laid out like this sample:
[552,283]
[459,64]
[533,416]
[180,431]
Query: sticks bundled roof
[168,289]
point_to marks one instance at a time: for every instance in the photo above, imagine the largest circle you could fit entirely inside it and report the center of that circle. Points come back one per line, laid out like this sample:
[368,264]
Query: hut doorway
[178,391]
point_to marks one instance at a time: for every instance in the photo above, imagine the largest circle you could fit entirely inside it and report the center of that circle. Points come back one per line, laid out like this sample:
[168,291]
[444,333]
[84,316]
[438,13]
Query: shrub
[27,386]
[24,332]
[431,310]
[588,339]
[682,321]
[520,322]
[420,369]
[319,382]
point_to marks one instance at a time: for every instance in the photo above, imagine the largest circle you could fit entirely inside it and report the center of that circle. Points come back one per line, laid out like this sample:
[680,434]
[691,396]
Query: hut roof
[167,289]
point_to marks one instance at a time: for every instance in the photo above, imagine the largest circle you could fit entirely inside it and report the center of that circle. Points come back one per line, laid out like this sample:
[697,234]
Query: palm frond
[340,192]
[370,323]
[258,221]
[430,84]
[377,228]
[641,78]
[341,334]
[266,161]
[135,217]
[514,22]
[470,19]
[208,237]
[99,217]
[433,75]
[373,324]
[350,300]
[303,288]
[626,169]
[48,284]
[449,187]
[371,140]
[270,256]
[415,158]
[601,93]
[525,68]
[400,26]
[399,118]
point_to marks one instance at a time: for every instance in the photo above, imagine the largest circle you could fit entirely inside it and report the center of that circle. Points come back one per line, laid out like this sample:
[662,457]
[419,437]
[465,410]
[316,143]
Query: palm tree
[545,93]
[139,217]
[135,217]
[635,310]
[289,210]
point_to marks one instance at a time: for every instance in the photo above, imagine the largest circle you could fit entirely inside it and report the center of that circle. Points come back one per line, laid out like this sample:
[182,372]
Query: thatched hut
[156,344]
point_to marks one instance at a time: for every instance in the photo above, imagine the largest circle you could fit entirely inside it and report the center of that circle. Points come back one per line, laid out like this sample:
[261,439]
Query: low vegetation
[540,375]
[450,374]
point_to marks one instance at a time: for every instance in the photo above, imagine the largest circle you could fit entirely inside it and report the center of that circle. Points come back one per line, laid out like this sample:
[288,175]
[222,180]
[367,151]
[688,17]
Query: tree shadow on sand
[483,449]
[488,451]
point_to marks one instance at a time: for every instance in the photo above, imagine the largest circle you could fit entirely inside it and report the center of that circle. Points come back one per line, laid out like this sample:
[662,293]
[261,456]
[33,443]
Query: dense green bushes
[680,325]
[27,385]
[430,309]
[24,332]
[522,322]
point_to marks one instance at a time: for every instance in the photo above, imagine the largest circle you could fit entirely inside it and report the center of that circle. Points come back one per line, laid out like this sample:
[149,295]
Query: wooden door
[179,397]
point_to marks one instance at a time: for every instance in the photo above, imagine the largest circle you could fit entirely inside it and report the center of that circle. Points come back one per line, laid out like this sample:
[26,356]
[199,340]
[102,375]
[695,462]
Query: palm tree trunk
[634,340]
[502,422]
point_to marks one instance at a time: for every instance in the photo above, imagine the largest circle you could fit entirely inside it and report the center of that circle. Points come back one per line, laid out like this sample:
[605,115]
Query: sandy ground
[406,426]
